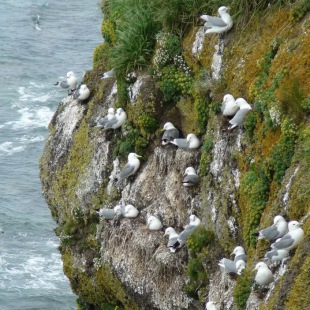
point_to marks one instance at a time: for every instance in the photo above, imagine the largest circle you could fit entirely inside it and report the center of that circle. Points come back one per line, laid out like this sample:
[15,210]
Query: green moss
[206,156]
[298,12]
[242,289]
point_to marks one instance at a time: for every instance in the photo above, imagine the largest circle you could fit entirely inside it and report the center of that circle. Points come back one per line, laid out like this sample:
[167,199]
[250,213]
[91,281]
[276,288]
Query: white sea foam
[7,148]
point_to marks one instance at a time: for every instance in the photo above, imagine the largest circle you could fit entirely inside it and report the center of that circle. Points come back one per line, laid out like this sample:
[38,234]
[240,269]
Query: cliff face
[247,175]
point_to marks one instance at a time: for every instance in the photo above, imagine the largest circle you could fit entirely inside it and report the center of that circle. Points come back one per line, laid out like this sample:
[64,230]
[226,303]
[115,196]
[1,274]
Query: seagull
[108,74]
[109,214]
[191,178]
[194,222]
[211,305]
[131,211]
[277,255]
[104,120]
[82,93]
[229,107]
[291,239]
[130,168]
[170,133]
[275,231]
[153,223]
[229,266]
[244,108]
[117,121]
[70,83]
[191,142]
[264,275]
[218,24]
[173,238]
[239,253]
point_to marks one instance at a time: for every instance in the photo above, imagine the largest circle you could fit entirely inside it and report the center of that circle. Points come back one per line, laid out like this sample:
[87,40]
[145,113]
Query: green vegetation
[242,289]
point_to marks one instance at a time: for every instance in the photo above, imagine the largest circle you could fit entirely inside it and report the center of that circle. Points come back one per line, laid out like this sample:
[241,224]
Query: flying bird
[130,168]
[191,142]
[191,178]
[275,231]
[244,109]
[218,24]
[170,133]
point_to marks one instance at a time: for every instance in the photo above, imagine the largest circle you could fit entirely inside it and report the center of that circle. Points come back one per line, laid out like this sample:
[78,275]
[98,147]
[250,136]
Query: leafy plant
[242,289]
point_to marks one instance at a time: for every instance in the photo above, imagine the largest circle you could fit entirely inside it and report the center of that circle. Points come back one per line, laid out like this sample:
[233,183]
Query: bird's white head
[293,225]
[133,155]
[238,250]
[111,111]
[69,74]
[228,97]
[260,265]
[223,9]
[128,208]
[169,231]
[83,87]
[119,111]
[278,219]
[189,137]
[168,125]
[189,170]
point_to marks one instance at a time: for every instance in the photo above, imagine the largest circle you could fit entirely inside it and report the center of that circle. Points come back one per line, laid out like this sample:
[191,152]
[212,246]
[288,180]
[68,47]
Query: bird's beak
[139,156]
[163,129]
[232,253]
[228,8]
[254,269]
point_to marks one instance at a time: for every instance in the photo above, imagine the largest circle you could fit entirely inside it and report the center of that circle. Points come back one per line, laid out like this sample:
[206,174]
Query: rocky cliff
[247,176]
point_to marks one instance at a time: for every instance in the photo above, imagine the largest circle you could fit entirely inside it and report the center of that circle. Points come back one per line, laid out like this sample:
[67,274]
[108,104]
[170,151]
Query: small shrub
[206,156]
[300,11]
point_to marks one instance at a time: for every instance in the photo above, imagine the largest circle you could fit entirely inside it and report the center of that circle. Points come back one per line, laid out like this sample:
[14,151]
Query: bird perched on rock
[108,74]
[244,109]
[153,223]
[170,133]
[104,120]
[229,106]
[291,239]
[218,24]
[277,255]
[191,142]
[194,222]
[82,93]
[70,82]
[211,305]
[109,214]
[275,231]
[239,253]
[173,238]
[131,211]
[117,120]
[229,266]
[130,168]
[264,275]
[191,178]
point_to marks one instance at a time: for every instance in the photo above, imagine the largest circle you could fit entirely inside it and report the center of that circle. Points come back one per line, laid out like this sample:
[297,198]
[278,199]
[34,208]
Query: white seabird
[264,275]
[218,24]
[229,266]
[194,222]
[170,133]
[277,255]
[104,120]
[191,178]
[211,305]
[70,82]
[291,239]
[239,253]
[109,214]
[191,142]
[153,223]
[173,238]
[108,74]
[244,108]
[131,211]
[130,168]
[117,120]
[275,231]
[82,93]
[229,106]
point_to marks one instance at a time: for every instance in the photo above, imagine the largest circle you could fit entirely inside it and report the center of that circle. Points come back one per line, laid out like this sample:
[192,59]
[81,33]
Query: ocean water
[40,41]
